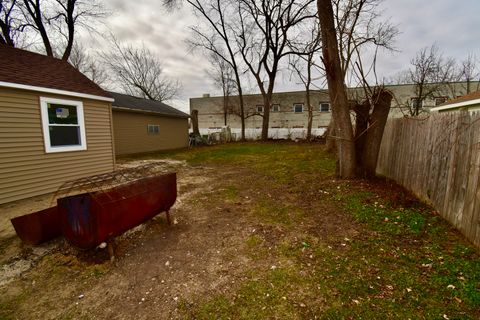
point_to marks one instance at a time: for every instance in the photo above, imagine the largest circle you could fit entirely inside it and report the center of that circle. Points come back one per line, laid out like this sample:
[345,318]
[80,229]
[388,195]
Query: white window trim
[44,101]
[298,104]
[329,107]
[275,105]
[153,126]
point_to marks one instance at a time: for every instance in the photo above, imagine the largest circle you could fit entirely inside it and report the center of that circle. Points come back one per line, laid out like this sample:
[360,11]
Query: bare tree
[219,40]
[223,77]
[8,26]
[304,66]
[263,33]
[430,73]
[55,21]
[347,28]
[139,72]
[469,72]
[91,67]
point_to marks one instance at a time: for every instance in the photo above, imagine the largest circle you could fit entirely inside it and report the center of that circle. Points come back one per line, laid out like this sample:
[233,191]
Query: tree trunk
[6,32]
[382,102]
[337,92]
[310,114]
[266,115]
[329,140]
[242,115]
[71,29]
[362,114]
[195,129]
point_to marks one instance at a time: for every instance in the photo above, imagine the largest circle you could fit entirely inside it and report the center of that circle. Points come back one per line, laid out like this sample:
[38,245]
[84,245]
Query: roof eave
[186,116]
[54,91]
[456,105]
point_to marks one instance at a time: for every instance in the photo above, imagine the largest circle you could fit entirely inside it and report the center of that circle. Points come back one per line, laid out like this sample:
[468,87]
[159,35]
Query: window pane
[64,136]
[324,107]
[62,114]
[298,107]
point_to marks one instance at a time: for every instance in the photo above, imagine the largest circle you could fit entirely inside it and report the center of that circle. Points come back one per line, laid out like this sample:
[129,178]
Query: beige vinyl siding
[131,136]
[25,169]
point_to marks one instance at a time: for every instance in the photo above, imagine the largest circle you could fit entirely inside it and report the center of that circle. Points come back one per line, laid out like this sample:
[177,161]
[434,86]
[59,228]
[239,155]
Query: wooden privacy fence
[438,159]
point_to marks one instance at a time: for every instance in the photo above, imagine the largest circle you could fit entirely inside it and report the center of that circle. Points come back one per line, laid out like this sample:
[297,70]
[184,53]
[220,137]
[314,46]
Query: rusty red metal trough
[88,219]
[38,227]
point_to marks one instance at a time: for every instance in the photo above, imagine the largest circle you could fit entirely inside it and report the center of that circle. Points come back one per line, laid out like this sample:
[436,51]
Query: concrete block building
[288,112]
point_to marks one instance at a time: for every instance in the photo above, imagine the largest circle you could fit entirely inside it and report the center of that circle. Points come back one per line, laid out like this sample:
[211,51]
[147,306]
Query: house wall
[25,169]
[131,135]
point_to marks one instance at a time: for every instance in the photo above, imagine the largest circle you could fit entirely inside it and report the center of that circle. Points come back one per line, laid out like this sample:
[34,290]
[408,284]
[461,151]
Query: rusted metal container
[38,227]
[89,219]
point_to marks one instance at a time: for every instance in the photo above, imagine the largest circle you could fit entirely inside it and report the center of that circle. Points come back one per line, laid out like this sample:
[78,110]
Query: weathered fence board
[438,159]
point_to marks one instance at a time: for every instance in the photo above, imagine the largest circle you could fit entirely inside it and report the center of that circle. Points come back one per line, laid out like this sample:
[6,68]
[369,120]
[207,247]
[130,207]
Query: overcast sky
[453,25]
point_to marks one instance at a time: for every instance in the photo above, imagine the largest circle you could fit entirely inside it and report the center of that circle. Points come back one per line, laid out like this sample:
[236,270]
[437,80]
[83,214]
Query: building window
[153,129]
[324,107]
[440,100]
[259,109]
[416,103]
[298,107]
[297,127]
[275,108]
[63,125]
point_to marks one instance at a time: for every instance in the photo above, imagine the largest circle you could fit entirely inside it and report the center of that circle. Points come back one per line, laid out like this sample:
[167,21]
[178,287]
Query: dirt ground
[158,267]
[231,226]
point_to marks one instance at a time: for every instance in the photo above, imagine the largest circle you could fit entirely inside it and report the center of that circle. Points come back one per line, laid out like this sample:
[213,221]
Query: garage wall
[25,169]
[131,134]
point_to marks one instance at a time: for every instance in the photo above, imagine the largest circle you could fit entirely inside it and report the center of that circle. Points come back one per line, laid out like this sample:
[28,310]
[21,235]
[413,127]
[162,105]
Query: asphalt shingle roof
[125,101]
[33,69]
[465,98]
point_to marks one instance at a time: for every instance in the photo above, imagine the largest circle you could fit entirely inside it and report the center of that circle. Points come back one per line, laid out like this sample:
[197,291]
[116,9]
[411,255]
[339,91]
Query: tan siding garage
[25,168]
[131,132]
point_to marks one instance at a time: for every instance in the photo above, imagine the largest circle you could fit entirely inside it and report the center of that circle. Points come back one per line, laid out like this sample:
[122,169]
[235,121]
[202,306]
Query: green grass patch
[274,295]
[276,212]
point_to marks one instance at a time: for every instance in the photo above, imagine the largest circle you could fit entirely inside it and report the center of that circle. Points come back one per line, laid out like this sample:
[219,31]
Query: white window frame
[420,103]
[153,126]
[277,106]
[44,101]
[259,108]
[329,107]
[298,104]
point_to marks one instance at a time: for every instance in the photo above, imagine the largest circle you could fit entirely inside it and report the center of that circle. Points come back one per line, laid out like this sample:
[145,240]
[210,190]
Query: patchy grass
[311,247]
[406,262]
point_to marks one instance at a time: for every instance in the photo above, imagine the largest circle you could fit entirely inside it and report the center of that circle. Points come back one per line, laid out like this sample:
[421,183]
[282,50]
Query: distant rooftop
[125,101]
[466,98]
[460,102]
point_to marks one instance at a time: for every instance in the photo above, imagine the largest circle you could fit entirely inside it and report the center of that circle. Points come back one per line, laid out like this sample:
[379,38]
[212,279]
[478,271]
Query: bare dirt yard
[260,231]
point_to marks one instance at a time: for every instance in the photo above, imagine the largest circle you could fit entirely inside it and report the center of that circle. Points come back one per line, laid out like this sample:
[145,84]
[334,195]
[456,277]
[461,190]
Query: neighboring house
[55,125]
[470,102]
[288,113]
[142,125]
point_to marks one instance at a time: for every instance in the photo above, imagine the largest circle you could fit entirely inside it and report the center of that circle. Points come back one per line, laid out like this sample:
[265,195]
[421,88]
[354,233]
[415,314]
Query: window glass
[298,107]
[64,136]
[440,100]
[62,114]
[259,108]
[276,108]
[153,129]
[324,107]
[416,103]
